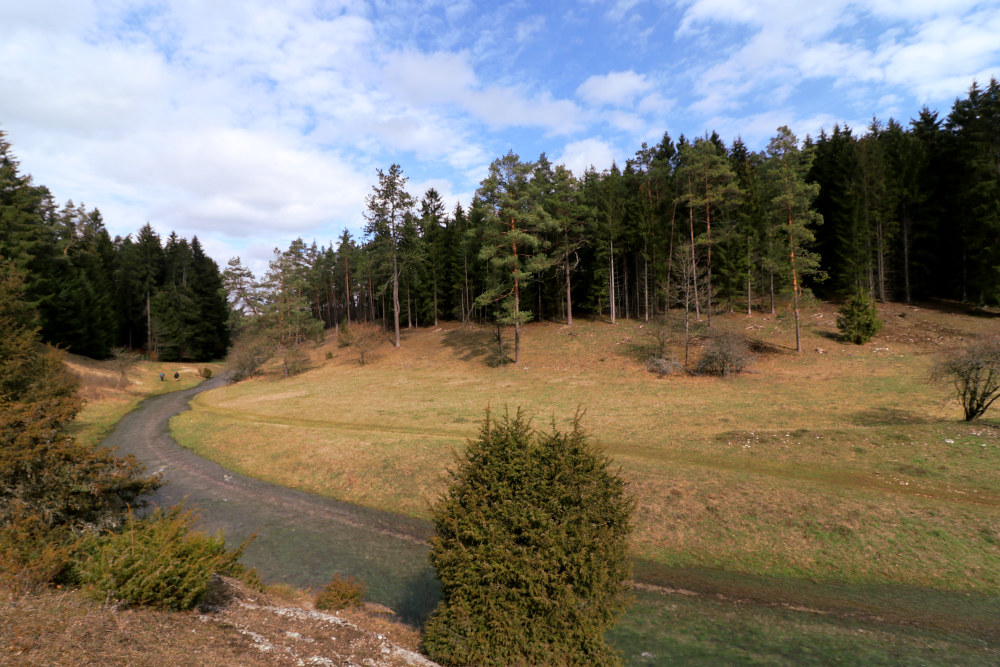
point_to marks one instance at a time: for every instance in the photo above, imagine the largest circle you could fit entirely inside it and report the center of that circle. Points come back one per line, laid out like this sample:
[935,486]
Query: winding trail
[301,539]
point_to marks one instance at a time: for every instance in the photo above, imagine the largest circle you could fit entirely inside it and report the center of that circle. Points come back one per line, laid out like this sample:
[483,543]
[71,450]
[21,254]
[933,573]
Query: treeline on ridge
[897,213]
[93,293]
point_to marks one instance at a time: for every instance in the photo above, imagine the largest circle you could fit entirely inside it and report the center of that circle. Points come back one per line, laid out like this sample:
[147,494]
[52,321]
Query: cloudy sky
[250,123]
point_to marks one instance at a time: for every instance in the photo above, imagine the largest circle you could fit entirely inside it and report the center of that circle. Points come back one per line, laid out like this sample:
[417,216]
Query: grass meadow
[841,478]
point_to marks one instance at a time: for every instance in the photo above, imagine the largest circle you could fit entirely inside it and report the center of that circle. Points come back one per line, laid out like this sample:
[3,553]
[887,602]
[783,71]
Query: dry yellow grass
[844,463]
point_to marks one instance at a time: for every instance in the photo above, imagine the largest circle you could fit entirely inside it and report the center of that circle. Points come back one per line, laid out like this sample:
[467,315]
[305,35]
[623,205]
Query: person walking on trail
[161,376]
[177,375]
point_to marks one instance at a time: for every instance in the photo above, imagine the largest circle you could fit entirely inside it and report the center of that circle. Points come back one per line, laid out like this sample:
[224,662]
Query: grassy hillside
[841,465]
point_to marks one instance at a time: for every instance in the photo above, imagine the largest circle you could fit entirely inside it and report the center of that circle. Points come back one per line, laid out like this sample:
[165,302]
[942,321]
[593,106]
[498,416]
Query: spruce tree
[44,472]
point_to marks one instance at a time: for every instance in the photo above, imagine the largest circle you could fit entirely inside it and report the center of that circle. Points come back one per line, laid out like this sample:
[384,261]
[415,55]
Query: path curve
[302,539]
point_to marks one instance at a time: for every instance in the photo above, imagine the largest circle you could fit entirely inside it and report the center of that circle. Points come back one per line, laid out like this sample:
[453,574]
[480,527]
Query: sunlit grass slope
[842,464]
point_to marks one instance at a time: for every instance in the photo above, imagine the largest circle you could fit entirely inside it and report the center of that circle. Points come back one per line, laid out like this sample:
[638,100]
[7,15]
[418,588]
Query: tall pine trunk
[395,297]
[694,266]
[795,282]
[611,292]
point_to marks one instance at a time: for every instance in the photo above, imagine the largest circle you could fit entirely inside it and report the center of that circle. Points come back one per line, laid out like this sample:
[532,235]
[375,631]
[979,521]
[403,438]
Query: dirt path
[302,539]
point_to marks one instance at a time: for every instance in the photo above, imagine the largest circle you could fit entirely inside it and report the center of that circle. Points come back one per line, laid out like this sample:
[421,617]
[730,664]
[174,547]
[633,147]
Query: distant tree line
[895,213]
[93,293]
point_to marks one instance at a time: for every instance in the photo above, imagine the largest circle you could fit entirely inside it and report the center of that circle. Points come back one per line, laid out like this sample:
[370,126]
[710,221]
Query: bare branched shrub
[974,372]
[728,353]
[663,367]
[125,361]
[365,337]
[248,355]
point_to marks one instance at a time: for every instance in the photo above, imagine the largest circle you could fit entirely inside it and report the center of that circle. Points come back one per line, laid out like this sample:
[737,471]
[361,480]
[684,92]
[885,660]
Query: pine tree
[791,199]
[515,246]
[711,194]
[387,212]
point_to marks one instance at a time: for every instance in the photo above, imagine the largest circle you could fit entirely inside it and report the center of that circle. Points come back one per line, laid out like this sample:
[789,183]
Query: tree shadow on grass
[471,343]
[887,417]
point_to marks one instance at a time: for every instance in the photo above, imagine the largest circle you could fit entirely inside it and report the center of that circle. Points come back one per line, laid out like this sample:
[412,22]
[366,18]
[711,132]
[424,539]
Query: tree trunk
[795,283]
[395,297]
[347,290]
[611,293]
[694,268]
[645,287]
[906,256]
[466,314]
[569,294]
[708,241]
[771,274]
[670,255]
[409,312]
[628,311]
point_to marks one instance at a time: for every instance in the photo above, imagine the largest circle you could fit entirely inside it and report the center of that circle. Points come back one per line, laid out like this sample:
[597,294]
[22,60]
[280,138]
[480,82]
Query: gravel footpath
[301,539]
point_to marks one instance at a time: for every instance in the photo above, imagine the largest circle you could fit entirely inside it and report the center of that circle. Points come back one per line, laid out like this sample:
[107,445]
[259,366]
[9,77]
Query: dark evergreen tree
[531,548]
[44,472]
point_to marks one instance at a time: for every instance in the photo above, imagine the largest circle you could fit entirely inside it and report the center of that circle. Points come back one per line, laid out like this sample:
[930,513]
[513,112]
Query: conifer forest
[894,211]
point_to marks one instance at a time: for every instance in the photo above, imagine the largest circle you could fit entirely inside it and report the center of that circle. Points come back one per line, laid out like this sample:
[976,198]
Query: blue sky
[250,123]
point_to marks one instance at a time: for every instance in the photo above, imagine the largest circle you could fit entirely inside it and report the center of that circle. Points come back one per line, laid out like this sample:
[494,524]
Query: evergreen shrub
[531,549]
[341,593]
[32,553]
[157,561]
[858,320]
[206,373]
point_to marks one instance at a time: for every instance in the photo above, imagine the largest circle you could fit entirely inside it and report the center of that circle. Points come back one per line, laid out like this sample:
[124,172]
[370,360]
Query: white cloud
[506,106]
[781,47]
[578,156]
[527,29]
[433,78]
[613,89]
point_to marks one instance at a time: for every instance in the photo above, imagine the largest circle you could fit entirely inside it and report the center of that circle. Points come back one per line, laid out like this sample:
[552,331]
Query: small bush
[206,373]
[663,367]
[157,561]
[341,593]
[727,353]
[345,337]
[329,355]
[858,320]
